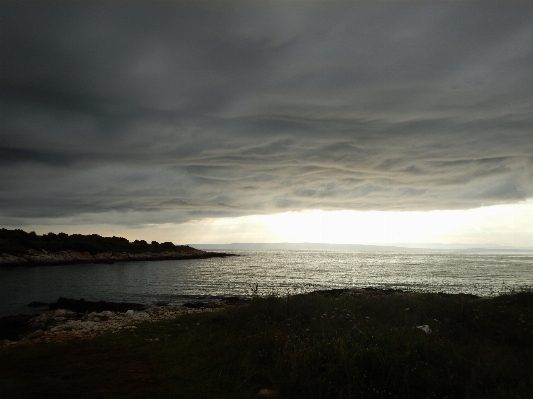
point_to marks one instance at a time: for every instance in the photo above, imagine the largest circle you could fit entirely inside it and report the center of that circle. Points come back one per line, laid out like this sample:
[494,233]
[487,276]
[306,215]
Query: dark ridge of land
[365,343]
[19,248]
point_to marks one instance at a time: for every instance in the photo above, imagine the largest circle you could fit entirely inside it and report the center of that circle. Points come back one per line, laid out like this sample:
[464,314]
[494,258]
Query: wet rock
[196,305]
[460,295]
[234,300]
[83,306]
[360,292]
[335,292]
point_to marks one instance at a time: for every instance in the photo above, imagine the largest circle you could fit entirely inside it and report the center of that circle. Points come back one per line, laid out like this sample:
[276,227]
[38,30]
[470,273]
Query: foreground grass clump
[305,346]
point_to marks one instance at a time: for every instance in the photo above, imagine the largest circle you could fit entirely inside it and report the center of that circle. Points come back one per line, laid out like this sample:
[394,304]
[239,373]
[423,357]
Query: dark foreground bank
[319,345]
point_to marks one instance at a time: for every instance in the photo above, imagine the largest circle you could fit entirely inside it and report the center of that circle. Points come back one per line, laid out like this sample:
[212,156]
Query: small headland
[19,248]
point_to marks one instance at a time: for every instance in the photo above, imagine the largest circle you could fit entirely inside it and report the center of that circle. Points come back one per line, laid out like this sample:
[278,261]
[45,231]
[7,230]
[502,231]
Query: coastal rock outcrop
[63,324]
[83,306]
[42,257]
[7,259]
[19,248]
[76,318]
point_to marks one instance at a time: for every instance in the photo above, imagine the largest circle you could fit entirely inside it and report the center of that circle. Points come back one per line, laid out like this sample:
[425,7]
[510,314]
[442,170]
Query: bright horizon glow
[510,225]
[506,225]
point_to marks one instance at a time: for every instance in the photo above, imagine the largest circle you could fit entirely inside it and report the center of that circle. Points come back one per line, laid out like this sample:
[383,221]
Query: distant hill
[358,247]
[299,246]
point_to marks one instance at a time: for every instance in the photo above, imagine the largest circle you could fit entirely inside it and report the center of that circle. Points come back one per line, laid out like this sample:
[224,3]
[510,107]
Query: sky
[240,121]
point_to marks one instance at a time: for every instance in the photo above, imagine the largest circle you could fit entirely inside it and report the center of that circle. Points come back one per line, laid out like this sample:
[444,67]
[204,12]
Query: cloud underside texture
[194,110]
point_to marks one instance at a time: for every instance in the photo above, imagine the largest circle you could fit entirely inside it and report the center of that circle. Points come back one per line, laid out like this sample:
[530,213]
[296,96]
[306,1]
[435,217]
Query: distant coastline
[19,248]
[400,247]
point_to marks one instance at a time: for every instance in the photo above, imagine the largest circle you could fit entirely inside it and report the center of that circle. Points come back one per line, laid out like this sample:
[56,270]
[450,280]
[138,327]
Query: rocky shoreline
[70,257]
[78,319]
[61,325]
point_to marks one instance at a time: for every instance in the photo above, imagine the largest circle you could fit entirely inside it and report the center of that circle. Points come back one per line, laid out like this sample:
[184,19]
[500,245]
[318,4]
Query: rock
[82,306]
[36,334]
[45,320]
[41,320]
[130,312]
[425,328]
[233,300]
[102,316]
[335,292]
[63,313]
[8,259]
[62,324]
[196,305]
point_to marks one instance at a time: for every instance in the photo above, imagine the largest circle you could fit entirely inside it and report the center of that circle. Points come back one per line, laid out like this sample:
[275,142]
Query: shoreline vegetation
[19,248]
[347,343]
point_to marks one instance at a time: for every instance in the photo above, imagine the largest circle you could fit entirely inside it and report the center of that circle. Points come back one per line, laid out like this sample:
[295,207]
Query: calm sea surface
[277,272]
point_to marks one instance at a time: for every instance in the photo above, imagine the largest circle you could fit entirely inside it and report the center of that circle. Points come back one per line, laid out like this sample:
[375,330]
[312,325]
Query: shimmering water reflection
[274,272]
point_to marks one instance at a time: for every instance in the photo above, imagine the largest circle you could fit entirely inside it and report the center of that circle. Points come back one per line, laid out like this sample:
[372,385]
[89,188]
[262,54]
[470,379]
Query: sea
[264,272]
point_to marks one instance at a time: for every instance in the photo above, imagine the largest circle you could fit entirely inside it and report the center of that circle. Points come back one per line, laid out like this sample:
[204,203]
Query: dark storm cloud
[179,110]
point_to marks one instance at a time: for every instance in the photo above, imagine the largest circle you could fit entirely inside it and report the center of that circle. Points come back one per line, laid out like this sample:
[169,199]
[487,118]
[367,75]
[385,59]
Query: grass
[303,346]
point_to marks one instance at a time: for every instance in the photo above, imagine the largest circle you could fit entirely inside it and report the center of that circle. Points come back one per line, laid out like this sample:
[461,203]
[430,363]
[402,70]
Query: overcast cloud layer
[171,111]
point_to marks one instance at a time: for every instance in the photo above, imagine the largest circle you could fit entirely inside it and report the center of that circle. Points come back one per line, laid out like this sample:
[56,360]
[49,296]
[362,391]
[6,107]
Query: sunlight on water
[274,272]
